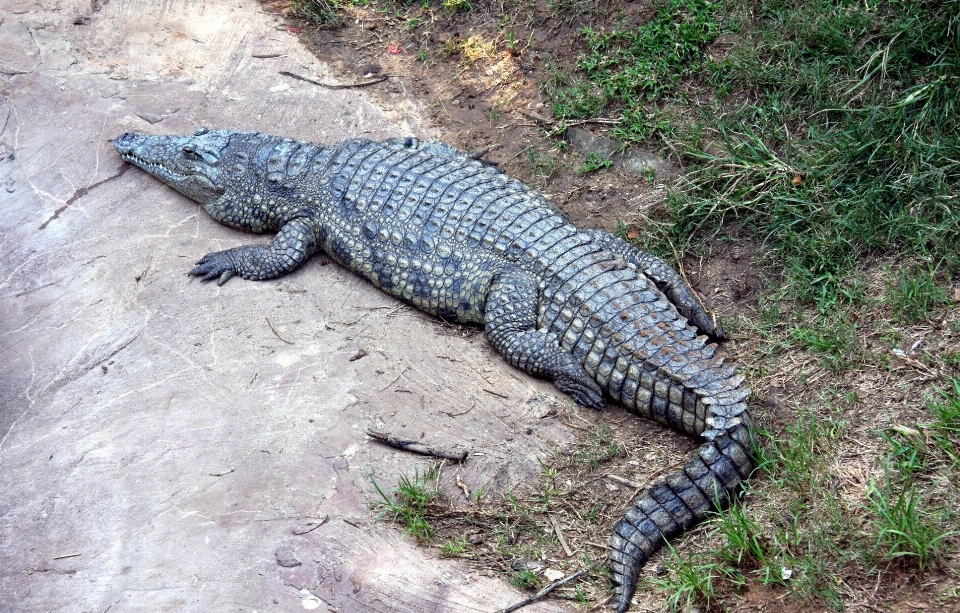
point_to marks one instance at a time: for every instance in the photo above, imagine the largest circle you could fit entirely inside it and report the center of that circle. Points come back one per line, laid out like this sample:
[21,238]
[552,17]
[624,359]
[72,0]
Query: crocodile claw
[212,266]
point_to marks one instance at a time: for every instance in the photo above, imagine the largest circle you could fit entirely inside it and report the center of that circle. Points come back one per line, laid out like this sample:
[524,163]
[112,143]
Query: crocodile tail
[672,506]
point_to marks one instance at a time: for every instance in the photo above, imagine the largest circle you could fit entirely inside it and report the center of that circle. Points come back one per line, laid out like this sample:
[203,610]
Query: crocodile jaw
[181,162]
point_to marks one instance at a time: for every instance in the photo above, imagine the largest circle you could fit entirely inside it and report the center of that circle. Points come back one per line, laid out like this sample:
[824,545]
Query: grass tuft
[691,581]
[410,502]
[905,529]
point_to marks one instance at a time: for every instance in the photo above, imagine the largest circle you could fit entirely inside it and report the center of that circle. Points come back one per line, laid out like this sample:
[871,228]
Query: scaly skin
[459,239]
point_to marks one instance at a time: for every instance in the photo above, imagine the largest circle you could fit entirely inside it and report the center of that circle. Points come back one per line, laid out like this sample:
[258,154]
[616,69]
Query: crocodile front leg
[667,281]
[511,325]
[294,243]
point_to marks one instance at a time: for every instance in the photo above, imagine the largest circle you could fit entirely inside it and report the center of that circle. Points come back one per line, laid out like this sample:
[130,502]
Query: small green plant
[541,166]
[915,294]
[593,513]
[598,448]
[595,162]
[834,337]
[745,541]
[457,5]
[691,582]
[905,529]
[454,548]
[524,579]
[410,502]
[322,12]
[549,478]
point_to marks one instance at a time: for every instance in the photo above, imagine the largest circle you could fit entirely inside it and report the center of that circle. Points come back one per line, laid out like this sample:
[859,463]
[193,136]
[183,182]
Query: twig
[497,394]
[623,481]
[311,526]
[335,85]
[270,323]
[569,124]
[264,56]
[221,474]
[463,486]
[563,541]
[550,588]
[415,447]
[394,379]
[69,555]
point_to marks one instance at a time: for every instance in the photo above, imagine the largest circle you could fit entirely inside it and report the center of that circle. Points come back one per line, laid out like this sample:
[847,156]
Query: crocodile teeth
[150,166]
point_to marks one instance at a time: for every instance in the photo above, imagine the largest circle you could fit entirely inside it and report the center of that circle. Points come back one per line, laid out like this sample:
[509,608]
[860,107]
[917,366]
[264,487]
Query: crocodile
[458,238]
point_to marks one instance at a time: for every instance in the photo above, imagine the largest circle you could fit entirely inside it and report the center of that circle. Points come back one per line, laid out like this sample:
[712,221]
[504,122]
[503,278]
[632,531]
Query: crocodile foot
[219,265]
[582,389]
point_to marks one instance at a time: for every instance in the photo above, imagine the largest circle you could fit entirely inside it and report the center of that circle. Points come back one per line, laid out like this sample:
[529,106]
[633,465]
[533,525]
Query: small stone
[286,558]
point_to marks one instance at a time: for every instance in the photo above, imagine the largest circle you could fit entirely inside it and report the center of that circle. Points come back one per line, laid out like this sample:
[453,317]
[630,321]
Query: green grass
[915,294]
[323,12]
[455,547]
[833,337]
[825,128]
[595,162]
[409,503]
[628,66]
[691,581]
[904,528]
[598,448]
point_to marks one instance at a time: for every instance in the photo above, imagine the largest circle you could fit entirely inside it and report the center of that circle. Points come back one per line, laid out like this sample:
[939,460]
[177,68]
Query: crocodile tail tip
[672,506]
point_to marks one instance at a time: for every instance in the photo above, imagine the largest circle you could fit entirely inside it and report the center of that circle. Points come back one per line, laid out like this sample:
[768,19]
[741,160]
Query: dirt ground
[484,91]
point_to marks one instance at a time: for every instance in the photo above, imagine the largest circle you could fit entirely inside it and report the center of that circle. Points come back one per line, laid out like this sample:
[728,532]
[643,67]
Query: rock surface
[172,446]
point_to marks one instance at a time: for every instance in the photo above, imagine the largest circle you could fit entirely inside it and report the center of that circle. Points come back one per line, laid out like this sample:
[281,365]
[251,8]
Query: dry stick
[334,85]
[416,447]
[563,541]
[69,555]
[270,323]
[550,588]
[623,481]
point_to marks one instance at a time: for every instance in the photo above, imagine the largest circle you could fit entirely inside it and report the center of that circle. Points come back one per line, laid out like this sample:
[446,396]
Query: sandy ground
[166,445]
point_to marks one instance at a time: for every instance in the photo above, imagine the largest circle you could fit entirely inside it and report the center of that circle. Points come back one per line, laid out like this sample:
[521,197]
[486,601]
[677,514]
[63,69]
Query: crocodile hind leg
[667,281]
[510,321]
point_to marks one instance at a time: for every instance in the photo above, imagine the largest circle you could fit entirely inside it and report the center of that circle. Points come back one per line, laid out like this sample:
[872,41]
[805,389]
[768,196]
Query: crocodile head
[189,164]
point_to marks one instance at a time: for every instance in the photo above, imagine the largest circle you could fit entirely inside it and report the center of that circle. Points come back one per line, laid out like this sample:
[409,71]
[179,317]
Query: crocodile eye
[189,151]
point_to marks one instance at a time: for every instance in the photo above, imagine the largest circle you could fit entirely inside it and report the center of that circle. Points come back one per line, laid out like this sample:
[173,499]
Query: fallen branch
[550,588]
[416,447]
[335,85]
